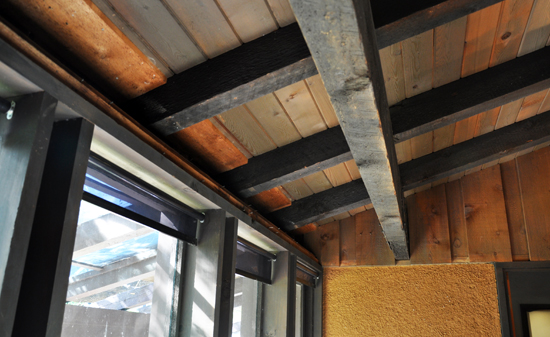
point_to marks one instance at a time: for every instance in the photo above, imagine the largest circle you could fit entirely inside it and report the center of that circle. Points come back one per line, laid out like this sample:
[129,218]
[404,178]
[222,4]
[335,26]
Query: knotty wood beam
[438,165]
[471,95]
[273,62]
[342,39]
[414,116]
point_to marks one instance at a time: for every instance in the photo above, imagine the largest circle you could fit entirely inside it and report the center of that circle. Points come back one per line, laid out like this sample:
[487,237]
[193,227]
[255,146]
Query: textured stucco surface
[427,300]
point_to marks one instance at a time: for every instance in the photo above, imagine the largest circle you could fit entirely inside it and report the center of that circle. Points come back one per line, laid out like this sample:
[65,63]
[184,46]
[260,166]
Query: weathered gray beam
[279,298]
[24,143]
[342,39]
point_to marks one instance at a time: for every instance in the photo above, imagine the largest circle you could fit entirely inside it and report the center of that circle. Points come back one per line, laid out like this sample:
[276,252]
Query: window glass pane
[115,286]
[299,310]
[245,307]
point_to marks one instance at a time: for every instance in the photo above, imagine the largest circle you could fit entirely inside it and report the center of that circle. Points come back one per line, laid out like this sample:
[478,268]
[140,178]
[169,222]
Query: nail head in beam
[342,39]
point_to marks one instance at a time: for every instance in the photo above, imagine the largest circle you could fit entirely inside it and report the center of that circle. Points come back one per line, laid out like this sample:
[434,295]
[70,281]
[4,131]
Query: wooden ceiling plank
[251,19]
[205,22]
[394,77]
[449,51]
[531,105]
[418,63]
[282,11]
[511,26]
[471,95]
[480,36]
[263,66]
[320,95]
[90,41]
[537,31]
[342,39]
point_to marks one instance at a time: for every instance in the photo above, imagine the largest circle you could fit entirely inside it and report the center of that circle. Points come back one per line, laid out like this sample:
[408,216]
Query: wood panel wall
[501,213]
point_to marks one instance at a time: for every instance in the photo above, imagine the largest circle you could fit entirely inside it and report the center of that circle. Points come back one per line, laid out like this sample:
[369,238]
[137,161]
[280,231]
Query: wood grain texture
[392,68]
[243,126]
[480,36]
[338,175]
[371,246]
[91,44]
[533,176]
[341,34]
[422,145]
[403,151]
[270,200]
[320,95]
[429,227]
[514,211]
[443,137]
[157,26]
[318,182]
[448,51]
[487,121]
[300,106]
[465,129]
[272,117]
[206,145]
[250,19]
[297,189]
[205,22]
[347,242]
[282,11]
[545,106]
[513,19]
[472,95]
[537,31]
[225,131]
[508,113]
[485,211]
[353,169]
[311,242]
[457,222]
[531,105]
[418,63]
[329,239]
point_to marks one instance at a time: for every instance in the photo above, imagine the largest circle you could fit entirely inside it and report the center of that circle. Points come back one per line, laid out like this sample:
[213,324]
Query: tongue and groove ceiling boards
[240,88]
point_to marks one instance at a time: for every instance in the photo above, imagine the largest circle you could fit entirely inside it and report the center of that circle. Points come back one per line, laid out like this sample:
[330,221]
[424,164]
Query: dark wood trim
[472,95]
[288,163]
[252,70]
[438,165]
[48,259]
[397,20]
[272,62]
[321,205]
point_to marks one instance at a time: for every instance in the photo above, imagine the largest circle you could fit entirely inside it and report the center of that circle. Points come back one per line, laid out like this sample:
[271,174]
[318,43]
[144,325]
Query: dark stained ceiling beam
[342,40]
[471,95]
[272,62]
[414,116]
[424,170]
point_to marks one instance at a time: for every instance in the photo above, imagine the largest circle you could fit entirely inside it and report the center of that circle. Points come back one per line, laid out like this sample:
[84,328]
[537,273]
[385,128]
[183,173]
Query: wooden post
[342,39]
[48,261]
[279,298]
[24,143]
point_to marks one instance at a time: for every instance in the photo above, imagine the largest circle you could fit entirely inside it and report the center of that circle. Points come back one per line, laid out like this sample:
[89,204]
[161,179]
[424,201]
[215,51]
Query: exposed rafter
[414,116]
[424,170]
[273,62]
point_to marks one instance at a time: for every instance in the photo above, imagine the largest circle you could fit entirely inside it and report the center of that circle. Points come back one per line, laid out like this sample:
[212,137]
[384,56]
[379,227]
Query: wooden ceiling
[231,84]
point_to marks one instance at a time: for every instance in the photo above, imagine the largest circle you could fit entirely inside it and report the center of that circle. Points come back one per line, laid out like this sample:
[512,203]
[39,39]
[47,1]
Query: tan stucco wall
[427,300]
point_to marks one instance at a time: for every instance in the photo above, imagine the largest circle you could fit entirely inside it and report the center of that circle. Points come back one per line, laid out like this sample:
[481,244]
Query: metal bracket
[9,113]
